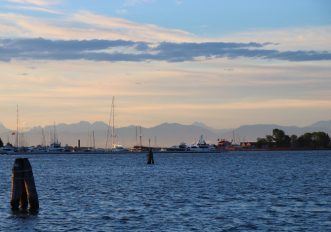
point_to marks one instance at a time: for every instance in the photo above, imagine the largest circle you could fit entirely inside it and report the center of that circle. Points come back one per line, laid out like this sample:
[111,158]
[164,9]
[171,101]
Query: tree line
[278,139]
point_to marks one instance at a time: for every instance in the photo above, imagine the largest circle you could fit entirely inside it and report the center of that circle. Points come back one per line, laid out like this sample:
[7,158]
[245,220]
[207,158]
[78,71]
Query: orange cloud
[96,26]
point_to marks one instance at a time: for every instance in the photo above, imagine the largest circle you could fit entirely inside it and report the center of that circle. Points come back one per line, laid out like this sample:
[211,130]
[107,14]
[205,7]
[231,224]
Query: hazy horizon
[167,134]
[223,63]
[196,123]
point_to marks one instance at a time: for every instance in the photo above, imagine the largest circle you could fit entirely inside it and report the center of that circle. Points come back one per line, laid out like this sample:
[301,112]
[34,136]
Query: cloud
[131,3]
[191,51]
[35,2]
[303,38]
[191,89]
[33,5]
[33,8]
[84,24]
[179,2]
[87,25]
[129,29]
[243,105]
[122,50]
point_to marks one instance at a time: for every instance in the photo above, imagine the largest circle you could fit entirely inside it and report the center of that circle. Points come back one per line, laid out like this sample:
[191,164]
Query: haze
[224,63]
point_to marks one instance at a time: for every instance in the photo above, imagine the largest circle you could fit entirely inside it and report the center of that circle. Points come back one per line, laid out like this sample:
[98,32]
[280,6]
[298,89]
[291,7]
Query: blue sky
[208,17]
[214,18]
[224,63]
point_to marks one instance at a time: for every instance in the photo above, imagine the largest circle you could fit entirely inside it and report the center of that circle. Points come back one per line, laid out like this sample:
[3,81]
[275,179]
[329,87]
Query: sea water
[233,191]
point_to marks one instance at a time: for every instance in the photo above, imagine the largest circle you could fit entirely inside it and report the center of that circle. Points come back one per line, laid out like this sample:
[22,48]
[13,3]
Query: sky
[223,63]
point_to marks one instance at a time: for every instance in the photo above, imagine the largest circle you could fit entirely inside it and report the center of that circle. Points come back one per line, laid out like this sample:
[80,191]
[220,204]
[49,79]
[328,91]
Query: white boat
[182,147]
[202,146]
[7,150]
[55,146]
[115,146]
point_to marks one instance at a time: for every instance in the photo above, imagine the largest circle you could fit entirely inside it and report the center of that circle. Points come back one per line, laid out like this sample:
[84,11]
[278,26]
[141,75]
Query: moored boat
[202,146]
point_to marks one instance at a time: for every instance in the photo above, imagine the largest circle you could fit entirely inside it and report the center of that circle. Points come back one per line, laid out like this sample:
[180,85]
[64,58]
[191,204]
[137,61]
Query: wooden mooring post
[24,190]
[150,157]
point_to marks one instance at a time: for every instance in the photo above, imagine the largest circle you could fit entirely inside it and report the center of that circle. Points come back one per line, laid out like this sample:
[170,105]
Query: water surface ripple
[234,191]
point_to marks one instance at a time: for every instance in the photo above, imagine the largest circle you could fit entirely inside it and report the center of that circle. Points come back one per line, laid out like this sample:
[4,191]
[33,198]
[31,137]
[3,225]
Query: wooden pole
[17,183]
[150,157]
[24,198]
[23,186]
[30,186]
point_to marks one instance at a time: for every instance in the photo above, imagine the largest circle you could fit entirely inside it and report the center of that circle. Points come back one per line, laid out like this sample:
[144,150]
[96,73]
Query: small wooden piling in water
[24,190]
[150,157]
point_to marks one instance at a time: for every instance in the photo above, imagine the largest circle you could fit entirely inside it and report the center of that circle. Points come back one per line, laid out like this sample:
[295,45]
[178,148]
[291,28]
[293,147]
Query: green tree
[320,139]
[294,141]
[308,140]
[305,140]
[261,142]
[280,138]
[270,141]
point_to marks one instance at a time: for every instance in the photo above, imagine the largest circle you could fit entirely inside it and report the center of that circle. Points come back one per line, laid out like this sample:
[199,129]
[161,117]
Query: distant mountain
[71,133]
[166,134]
[174,133]
[216,131]
[4,133]
[3,128]
[322,124]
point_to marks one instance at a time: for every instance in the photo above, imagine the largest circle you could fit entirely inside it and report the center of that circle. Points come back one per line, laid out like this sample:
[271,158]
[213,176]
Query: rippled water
[274,191]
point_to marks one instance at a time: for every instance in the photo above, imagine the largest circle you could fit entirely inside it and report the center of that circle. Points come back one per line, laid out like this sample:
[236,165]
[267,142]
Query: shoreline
[159,152]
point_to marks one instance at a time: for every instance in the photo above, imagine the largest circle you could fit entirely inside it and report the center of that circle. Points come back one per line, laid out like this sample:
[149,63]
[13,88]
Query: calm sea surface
[234,191]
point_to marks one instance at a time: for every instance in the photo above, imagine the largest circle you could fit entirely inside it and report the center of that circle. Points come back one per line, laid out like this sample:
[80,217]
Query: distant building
[248,145]
[223,144]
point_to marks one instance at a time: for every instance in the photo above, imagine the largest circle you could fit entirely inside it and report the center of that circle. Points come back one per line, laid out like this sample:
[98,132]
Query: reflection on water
[182,192]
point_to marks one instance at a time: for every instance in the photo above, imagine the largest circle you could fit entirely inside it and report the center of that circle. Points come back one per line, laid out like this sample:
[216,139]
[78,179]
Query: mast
[136,135]
[140,137]
[111,122]
[108,131]
[93,140]
[233,138]
[17,136]
[43,139]
[88,139]
[54,132]
[50,136]
[113,126]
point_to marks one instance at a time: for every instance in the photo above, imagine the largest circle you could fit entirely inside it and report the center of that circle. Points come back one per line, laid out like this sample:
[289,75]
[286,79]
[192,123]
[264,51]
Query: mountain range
[166,134]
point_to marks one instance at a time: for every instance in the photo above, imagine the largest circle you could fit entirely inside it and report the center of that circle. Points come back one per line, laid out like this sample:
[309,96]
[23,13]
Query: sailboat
[55,145]
[115,147]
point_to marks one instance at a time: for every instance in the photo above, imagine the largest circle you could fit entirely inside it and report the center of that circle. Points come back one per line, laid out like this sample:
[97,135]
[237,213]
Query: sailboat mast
[136,135]
[17,136]
[43,139]
[233,137]
[108,129]
[113,126]
[54,136]
[140,138]
[93,141]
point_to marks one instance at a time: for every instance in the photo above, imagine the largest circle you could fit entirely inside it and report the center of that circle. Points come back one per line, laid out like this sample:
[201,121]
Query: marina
[165,116]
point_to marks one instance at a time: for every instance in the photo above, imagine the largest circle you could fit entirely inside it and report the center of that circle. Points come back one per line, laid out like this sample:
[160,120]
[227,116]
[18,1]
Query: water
[243,191]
